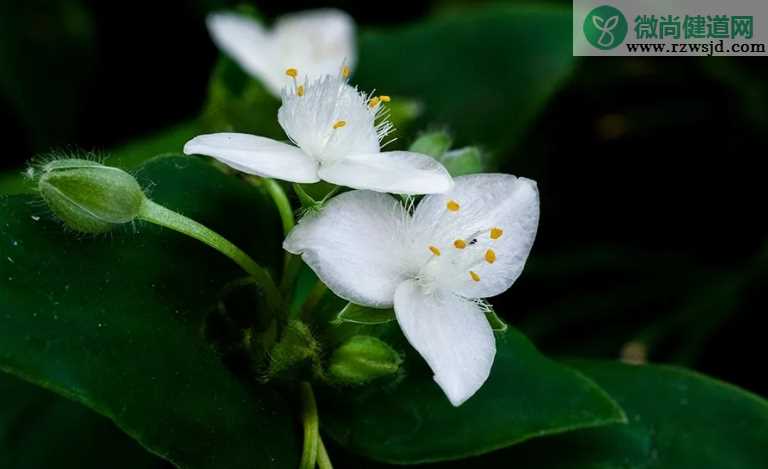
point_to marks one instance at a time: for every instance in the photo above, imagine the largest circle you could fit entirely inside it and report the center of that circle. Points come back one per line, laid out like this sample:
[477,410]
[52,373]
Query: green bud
[434,144]
[362,359]
[88,196]
[468,160]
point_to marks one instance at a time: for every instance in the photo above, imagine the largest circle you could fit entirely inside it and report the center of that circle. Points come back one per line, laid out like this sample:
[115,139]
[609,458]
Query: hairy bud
[362,359]
[88,196]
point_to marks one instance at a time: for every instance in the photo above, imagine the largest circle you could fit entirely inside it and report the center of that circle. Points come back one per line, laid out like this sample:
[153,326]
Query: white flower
[337,131]
[319,42]
[432,265]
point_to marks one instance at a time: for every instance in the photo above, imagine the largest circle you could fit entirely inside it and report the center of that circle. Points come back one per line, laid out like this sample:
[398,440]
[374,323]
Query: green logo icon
[605,27]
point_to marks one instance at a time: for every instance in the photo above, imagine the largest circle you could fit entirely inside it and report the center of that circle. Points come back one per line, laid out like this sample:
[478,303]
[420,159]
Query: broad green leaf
[39,429]
[119,322]
[166,141]
[363,315]
[484,72]
[411,421]
[677,419]
[14,182]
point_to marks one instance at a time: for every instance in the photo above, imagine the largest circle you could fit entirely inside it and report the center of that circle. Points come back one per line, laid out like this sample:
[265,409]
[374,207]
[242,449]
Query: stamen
[474,275]
[292,72]
[300,90]
[385,98]
[460,244]
[490,256]
[453,206]
[373,101]
[496,233]
[434,250]
[339,124]
[345,71]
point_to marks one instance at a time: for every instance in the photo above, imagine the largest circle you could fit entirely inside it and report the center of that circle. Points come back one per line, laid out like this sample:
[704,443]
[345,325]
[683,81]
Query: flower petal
[316,42]
[452,335]
[354,246]
[256,155]
[480,203]
[398,172]
[245,41]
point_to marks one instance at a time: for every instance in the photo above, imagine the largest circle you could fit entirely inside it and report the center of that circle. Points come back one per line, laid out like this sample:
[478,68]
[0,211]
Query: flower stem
[291,263]
[282,203]
[323,461]
[311,427]
[159,215]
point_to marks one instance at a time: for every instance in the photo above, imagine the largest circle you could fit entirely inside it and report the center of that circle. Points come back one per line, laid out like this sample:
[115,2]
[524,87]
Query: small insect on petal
[496,233]
[435,250]
[460,244]
[490,256]
[453,206]
[300,90]
[292,72]
[339,124]
[474,275]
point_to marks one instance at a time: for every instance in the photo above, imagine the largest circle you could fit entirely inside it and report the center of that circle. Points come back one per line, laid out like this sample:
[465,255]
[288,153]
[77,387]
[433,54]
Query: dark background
[653,199]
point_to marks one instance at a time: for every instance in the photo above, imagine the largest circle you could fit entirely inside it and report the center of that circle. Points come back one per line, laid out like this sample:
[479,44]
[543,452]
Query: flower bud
[88,196]
[362,359]
[434,144]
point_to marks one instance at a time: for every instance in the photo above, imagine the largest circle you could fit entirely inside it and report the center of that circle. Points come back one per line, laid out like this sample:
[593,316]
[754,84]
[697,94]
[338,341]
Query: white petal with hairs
[336,133]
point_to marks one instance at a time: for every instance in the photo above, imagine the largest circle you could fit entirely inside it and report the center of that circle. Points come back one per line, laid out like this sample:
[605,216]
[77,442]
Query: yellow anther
[339,124]
[292,72]
[435,250]
[385,98]
[496,233]
[490,256]
[373,101]
[460,244]
[474,275]
[300,90]
[453,206]
[345,71]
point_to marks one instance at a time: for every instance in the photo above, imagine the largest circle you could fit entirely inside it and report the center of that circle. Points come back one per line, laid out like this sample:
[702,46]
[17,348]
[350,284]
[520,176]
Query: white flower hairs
[432,264]
[318,40]
[337,133]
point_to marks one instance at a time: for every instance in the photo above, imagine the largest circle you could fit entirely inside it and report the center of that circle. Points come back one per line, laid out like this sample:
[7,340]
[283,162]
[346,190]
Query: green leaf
[39,429]
[411,421]
[677,418]
[120,323]
[484,72]
[164,142]
[357,314]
